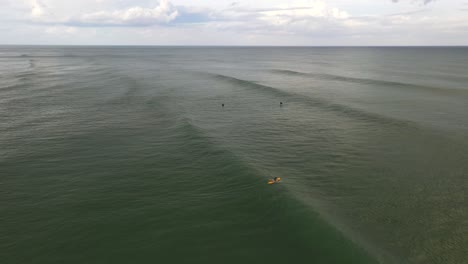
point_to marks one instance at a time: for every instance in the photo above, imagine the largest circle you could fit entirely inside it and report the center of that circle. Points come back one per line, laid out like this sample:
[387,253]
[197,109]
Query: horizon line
[243,46]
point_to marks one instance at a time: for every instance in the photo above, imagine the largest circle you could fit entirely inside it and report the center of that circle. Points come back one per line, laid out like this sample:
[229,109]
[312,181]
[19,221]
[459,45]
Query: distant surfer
[274,180]
[223,105]
[281,103]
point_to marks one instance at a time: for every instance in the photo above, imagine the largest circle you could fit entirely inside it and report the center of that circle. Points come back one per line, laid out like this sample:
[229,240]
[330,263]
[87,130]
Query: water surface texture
[125,155]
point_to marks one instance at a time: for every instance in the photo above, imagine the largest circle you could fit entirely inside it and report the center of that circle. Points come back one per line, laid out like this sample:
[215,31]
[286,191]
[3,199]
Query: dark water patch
[263,143]
[180,199]
[316,233]
[135,160]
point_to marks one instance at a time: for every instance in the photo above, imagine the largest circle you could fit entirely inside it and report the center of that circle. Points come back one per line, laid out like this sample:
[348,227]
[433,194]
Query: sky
[235,22]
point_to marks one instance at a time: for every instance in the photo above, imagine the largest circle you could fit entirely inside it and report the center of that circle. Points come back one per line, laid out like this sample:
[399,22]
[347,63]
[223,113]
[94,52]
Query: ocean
[126,155]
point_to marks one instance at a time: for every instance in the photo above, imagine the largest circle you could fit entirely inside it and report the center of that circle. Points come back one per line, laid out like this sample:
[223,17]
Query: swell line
[315,102]
[332,77]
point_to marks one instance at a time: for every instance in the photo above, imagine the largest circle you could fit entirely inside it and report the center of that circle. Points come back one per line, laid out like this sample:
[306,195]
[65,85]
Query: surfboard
[271,181]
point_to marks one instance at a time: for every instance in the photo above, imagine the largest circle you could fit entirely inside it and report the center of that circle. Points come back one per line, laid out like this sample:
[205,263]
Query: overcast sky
[238,22]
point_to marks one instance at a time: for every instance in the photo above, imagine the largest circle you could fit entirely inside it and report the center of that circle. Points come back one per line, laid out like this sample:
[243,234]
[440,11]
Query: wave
[39,56]
[10,88]
[315,102]
[207,145]
[251,84]
[39,85]
[128,88]
[27,92]
[210,157]
[332,77]
[24,76]
[22,56]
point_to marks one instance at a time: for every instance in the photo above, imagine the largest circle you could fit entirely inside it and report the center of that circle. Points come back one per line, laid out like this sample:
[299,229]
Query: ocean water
[126,155]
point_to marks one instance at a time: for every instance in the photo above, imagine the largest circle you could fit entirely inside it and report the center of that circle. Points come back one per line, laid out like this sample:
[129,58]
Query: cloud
[60,30]
[197,15]
[305,14]
[424,1]
[134,16]
[224,21]
[37,9]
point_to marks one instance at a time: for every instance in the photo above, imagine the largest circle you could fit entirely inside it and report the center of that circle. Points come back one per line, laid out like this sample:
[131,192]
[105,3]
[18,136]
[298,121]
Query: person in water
[275,179]
[223,105]
[281,103]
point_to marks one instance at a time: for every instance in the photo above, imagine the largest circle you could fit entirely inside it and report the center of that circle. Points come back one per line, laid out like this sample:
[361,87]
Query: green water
[125,155]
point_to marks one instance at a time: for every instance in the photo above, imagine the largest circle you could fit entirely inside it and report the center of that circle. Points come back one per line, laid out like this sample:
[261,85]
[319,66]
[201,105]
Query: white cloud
[292,22]
[37,9]
[299,16]
[163,12]
[305,9]
[304,16]
[423,1]
[134,16]
[58,30]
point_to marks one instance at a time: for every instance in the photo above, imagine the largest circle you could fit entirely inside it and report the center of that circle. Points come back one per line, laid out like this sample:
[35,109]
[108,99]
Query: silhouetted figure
[223,105]
[281,103]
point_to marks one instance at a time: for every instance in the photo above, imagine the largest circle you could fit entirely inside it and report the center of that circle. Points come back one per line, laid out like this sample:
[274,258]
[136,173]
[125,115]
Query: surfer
[281,103]
[223,105]
[274,180]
